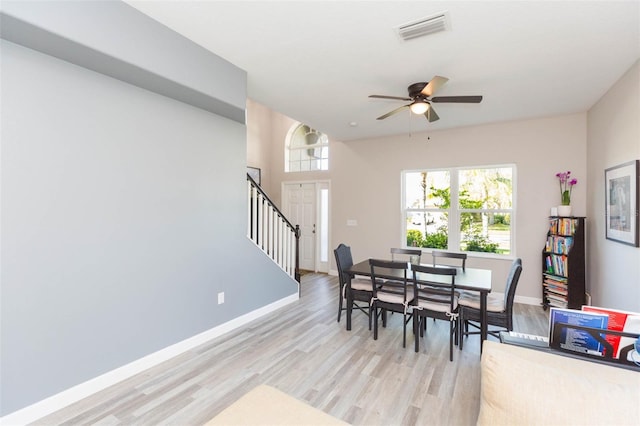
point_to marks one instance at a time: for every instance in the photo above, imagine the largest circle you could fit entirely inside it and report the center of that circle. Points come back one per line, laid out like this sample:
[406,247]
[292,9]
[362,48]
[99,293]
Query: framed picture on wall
[254,172]
[621,203]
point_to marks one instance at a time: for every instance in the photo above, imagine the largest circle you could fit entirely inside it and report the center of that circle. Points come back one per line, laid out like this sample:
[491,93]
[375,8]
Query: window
[461,209]
[306,149]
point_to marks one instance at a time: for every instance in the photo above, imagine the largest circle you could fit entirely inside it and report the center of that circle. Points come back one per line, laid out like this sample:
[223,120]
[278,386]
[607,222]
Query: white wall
[613,138]
[259,129]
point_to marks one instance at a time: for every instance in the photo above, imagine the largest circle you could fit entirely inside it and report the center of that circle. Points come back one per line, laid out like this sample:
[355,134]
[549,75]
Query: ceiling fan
[420,95]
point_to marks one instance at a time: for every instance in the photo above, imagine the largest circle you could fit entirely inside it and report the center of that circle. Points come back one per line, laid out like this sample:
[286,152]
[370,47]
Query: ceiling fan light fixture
[419,107]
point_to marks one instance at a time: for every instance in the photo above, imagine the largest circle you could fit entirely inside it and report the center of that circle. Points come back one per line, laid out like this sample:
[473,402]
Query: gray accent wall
[115,39]
[123,214]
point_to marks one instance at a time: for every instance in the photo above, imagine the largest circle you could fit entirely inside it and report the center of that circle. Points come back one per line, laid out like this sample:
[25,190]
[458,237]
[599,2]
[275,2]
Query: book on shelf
[618,321]
[554,279]
[557,303]
[572,338]
[556,296]
[558,244]
[557,290]
[556,264]
[562,225]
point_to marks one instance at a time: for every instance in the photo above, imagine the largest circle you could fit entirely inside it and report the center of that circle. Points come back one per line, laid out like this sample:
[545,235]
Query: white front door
[301,202]
[301,210]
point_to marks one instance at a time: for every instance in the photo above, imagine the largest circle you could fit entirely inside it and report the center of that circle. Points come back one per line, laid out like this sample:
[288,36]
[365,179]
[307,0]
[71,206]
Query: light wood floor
[302,350]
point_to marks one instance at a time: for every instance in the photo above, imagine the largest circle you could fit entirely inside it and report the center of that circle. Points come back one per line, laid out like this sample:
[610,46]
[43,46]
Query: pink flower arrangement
[566,185]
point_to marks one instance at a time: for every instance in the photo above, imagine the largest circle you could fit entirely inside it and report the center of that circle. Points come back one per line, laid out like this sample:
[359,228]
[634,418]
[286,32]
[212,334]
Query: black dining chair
[399,254]
[352,289]
[438,257]
[499,309]
[395,295]
[403,255]
[443,258]
[435,300]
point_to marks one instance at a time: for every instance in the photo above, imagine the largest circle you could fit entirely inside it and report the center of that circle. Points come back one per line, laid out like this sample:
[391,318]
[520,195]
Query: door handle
[314,228]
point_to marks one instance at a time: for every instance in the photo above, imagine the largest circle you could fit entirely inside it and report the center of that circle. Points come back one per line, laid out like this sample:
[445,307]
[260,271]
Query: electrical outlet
[221,298]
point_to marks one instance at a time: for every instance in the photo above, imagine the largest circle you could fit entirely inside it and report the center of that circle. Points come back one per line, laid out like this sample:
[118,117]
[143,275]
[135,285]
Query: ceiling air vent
[425,26]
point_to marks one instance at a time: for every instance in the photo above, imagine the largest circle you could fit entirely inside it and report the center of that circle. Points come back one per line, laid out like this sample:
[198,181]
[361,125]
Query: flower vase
[564,210]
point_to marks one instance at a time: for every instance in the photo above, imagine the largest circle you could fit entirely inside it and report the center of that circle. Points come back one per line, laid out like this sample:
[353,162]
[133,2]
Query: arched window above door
[306,149]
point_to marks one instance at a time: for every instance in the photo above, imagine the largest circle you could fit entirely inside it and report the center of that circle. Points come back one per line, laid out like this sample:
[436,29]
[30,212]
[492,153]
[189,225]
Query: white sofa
[521,386]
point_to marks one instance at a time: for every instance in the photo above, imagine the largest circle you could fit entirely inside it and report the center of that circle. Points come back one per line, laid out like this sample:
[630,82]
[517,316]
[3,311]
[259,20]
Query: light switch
[352,222]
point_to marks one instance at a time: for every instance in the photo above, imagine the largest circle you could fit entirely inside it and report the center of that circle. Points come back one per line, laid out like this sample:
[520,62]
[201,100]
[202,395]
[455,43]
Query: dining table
[471,279]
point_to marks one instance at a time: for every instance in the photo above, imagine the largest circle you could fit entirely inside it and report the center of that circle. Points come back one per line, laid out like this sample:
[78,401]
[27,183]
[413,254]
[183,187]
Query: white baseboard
[528,300]
[60,400]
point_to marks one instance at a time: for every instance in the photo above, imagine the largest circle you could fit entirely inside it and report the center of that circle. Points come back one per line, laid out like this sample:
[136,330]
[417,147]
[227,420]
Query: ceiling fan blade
[382,117]
[390,97]
[458,99]
[431,114]
[432,87]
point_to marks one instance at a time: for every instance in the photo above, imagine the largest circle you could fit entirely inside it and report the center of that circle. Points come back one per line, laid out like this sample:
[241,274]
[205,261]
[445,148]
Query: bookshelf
[563,263]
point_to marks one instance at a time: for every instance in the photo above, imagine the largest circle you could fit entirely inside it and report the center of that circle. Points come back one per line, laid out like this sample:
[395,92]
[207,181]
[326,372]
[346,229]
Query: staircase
[270,230]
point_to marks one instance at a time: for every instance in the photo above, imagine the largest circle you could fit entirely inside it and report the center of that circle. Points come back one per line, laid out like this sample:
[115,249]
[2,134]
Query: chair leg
[340,305]
[375,322]
[455,332]
[404,331]
[416,326]
[451,341]
[460,331]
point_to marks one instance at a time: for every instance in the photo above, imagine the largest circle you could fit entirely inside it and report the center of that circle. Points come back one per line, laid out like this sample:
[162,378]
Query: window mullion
[454,213]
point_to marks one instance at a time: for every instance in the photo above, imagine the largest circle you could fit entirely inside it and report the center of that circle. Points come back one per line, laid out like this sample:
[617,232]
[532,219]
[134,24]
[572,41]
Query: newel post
[297,272]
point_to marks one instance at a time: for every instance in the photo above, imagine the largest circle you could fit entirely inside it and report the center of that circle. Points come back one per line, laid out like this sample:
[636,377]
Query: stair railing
[270,230]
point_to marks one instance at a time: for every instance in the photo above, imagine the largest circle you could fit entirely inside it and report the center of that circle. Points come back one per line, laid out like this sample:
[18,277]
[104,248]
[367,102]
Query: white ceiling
[317,61]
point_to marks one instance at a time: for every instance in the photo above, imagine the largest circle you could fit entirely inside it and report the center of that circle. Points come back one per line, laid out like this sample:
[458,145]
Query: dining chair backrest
[344,261]
[396,279]
[399,254]
[432,291]
[435,298]
[512,283]
[352,289]
[439,255]
[394,294]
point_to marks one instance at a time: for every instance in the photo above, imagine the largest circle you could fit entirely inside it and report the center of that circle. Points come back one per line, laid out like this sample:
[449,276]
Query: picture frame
[255,174]
[621,203]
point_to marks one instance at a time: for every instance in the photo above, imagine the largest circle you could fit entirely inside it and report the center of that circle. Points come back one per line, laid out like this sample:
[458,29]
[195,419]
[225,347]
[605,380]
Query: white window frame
[322,161]
[453,239]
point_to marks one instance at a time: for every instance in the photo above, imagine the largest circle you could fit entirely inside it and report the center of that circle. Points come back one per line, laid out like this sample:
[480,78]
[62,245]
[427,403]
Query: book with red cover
[617,322]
